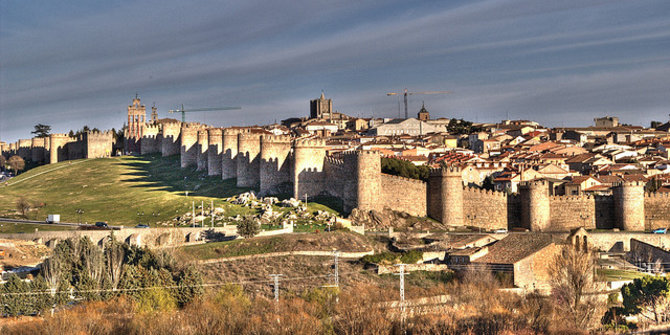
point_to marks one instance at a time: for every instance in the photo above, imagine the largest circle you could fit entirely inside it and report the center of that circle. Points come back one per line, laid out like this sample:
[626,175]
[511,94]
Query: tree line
[80,269]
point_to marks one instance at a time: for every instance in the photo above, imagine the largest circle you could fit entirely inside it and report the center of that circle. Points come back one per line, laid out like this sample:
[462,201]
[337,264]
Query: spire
[322,95]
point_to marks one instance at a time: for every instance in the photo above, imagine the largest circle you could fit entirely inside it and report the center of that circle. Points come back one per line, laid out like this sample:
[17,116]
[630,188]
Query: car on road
[141,225]
[500,231]
[660,231]
[101,224]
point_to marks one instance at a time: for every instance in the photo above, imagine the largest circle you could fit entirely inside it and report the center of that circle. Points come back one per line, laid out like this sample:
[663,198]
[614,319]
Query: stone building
[137,114]
[409,126]
[321,108]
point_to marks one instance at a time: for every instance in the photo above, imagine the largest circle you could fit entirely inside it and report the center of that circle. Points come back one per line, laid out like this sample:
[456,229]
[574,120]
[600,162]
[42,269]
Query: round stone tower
[451,192]
[308,158]
[229,152]
[629,205]
[535,205]
[189,144]
[56,146]
[248,160]
[368,176]
[215,142]
[274,163]
[201,149]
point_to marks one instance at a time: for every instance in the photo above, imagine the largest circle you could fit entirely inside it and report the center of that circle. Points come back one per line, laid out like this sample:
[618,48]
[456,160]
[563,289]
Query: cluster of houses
[575,161]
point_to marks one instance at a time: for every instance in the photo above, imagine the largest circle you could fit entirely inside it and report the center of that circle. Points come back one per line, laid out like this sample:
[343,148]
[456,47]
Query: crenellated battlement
[25,143]
[193,126]
[152,129]
[534,183]
[250,136]
[276,139]
[662,195]
[214,131]
[336,162]
[571,198]
[310,143]
[234,131]
[59,135]
[103,135]
[408,180]
[636,183]
[483,192]
[446,171]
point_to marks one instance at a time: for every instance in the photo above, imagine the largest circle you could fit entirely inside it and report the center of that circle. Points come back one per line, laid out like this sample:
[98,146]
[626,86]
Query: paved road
[71,224]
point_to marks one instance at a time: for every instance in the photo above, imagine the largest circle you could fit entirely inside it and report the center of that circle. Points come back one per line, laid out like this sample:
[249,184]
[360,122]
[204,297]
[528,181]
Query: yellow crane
[184,111]
[405,93]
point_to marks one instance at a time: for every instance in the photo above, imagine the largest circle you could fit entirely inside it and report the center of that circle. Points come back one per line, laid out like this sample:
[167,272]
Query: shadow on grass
[166,173]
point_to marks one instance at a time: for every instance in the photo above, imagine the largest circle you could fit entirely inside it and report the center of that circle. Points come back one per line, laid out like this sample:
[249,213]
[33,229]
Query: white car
[500,231]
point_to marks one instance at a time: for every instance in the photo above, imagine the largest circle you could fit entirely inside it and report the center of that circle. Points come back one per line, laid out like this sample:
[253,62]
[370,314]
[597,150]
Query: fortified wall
[279,165]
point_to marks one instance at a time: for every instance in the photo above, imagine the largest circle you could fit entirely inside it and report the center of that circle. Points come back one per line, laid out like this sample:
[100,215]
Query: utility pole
[193,216]
[401,274]
[276,278]
[211,210]
[336,268]
[202,214]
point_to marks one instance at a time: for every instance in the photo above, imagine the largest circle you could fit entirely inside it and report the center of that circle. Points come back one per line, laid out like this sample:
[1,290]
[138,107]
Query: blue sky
[71,63]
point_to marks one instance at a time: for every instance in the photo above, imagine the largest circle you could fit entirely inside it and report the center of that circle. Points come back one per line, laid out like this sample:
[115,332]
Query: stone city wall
[485,209]
[404,194]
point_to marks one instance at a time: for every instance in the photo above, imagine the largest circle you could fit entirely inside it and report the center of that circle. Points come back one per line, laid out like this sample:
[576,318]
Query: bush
[410,257]
[248,228]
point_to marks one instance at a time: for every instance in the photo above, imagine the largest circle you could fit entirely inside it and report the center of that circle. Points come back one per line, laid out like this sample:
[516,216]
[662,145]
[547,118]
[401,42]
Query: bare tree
[51,271]
[114,255]
[23,206]
[16,163]
[572,278]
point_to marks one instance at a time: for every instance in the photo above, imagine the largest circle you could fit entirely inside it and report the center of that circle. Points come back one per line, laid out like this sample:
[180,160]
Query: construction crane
[405,93]
[184,111]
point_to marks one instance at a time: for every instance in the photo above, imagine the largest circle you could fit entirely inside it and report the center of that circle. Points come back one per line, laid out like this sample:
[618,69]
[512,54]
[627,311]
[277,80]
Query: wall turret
[38,149]
[201,149]
[629,205]
[446,201]
[215,145]
[170,133]
[308,160]
[189,141]
[229,152]
[57,150]
[535,205]
[151,139]
[248,159]
[368,176]
[274,162]
[97,144]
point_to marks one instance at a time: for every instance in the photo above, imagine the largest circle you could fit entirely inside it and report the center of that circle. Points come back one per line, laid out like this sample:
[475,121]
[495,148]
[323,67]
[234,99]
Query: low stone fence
[343,254]
[384,269]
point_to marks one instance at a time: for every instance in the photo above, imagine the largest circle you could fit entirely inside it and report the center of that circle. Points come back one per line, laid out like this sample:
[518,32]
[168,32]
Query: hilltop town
[502,198]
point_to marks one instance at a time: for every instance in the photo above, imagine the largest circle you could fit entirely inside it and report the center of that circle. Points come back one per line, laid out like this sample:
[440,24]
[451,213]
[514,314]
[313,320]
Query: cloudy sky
[71,63]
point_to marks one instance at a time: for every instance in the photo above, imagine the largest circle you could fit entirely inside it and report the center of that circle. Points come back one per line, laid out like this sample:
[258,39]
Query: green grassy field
[336,240]
[120,190]
[29,228]
[614,275]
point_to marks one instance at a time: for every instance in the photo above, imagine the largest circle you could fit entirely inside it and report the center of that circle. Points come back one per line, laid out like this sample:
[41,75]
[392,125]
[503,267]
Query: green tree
[42,300]
[14,301]
[647,296]
[190,286]
[41,130]
[16,163]
[488,183]
[3,162]
[248,228]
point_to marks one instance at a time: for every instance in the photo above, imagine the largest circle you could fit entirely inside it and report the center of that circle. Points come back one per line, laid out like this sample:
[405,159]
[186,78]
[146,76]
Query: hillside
[121,190]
